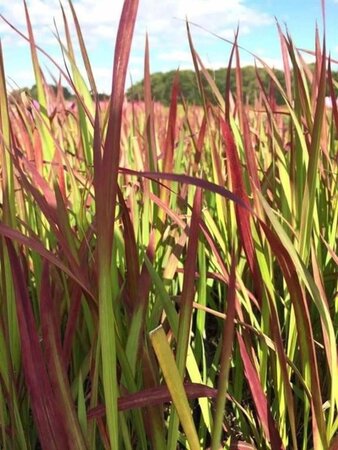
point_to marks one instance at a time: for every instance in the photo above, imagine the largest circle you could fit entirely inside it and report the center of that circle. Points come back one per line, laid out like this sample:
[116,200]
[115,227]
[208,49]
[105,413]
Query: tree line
[161,85]
[162,82]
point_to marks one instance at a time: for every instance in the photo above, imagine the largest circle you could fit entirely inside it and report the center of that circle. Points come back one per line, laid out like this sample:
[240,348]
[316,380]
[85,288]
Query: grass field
[169,275]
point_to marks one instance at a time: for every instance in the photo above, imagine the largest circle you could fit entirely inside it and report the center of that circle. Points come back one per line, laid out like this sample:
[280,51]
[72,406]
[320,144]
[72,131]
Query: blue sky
[164,22]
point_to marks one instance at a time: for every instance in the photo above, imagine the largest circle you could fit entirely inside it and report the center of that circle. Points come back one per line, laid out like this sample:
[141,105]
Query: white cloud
[164,21]
[99,19]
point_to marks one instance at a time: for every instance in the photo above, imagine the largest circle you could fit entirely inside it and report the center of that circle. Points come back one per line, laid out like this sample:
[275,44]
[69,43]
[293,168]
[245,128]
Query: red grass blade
[56,370]
[227,80]
[171,128]
[333,96]
[261,403]
[242,214]
[36,246]
[44,407]
[245,127]
[241,445]
[105,179]
[305,334]
[286,63]
[154,396]
[106,188]
[133,269]
[187,179]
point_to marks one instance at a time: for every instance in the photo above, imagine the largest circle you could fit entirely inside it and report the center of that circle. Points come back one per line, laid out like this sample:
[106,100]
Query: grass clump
[169,275]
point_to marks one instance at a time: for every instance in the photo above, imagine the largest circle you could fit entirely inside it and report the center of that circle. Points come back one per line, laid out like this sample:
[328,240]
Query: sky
[164,21]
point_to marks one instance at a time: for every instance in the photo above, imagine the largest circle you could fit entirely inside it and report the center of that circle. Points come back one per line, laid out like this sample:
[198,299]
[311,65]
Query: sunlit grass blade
[105,183]
[175,385]
[150,137]
[84,53]
[242,214]
[260,400]
[310,365]
[227,343]
[48,147]
[309,197]
[186,306]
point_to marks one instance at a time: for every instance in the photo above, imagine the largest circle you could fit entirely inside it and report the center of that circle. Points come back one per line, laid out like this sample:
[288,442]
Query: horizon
[168,43]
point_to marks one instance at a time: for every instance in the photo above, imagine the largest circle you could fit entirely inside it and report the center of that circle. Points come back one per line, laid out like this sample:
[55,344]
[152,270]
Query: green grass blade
[175,385]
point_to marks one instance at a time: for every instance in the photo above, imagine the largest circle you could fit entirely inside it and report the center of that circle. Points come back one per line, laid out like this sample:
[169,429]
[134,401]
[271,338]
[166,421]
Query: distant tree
[161,84]
[103,97]
[33,91]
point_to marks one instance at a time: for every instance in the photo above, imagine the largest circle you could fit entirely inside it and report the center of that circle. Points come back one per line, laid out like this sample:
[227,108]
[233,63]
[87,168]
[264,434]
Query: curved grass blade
[105,184]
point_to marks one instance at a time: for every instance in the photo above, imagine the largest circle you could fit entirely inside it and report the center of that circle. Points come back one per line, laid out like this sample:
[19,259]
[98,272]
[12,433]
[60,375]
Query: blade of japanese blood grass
[160,394]
[212,84]
[224,211]
[153,415]
[309,196]
[308,281]
[242,214]
[169,147]
[164,303]
[64,225]
[7,189]
[155,396]
[260,400]
[186,307]
[136,301]
[284,385]
[241,445]
[227,343]
[83,97]
[37,247]
[286,63]
[29,142]
[65,74]
[171,127]
[83,50]
[41,50]
[105,184]
[193,181]
[48,147]
[150,155]
[175,385]
[188,290]
[199,142]
[197,72]
[132,264]
[149,117]
[334,443]
[315,74]
[56,370]
[46,414]
[319,282]
[54,210]
[305,336]
[227,91]
[250,159]
[7,178]
[333,96]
